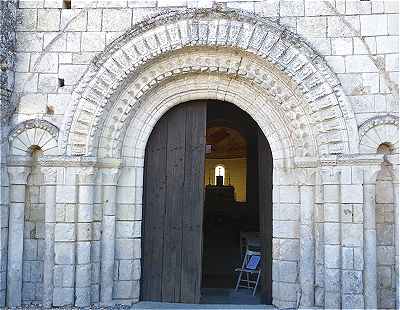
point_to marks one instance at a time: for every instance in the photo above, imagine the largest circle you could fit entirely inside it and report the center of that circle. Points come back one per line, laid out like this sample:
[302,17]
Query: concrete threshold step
[163,305]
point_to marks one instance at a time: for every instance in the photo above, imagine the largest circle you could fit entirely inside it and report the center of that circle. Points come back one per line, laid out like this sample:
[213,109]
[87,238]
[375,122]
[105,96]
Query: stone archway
[281,53]
[232,56]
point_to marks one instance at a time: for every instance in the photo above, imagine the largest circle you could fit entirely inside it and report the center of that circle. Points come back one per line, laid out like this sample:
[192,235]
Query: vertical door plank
[174,204]
[265,207]
[193,202]
[153,211]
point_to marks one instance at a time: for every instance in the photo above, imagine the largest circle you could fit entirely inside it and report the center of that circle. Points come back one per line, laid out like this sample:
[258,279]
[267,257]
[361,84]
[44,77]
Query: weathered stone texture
[83,60]
[8,24]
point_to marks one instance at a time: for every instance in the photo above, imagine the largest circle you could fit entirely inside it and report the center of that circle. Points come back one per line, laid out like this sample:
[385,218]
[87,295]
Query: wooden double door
[173,207]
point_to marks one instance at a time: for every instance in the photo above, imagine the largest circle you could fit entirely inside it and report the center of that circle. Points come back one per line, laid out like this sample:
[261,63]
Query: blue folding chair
[250,269]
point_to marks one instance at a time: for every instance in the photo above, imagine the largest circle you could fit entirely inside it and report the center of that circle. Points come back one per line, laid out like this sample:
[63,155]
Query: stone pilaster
[83,268]
[18,180]
[307,250]
[110,178]
[50,180]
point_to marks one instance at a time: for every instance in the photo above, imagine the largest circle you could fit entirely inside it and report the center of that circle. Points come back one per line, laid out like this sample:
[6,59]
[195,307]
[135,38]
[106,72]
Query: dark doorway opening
[207,183]
[232,205]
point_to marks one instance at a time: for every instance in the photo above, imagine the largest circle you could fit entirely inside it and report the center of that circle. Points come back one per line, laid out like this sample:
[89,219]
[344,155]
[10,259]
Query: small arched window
[219,175]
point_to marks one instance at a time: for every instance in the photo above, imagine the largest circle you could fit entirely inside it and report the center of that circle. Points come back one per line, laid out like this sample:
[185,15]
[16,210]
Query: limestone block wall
[127,233]
[55,43]
[326,227]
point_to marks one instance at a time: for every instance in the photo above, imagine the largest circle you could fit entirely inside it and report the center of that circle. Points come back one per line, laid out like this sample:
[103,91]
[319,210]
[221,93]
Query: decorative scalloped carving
[377,130]
[174,31]
[203,62]
[34,132]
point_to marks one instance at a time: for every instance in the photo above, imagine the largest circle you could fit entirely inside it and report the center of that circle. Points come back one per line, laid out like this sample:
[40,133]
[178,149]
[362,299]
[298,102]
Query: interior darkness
[224,217]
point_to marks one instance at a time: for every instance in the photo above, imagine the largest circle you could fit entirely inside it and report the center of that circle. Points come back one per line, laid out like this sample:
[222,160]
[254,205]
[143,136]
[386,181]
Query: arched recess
[377,131]
[379,138]
[242,38]
[28,141]
[261,67]
[35,132]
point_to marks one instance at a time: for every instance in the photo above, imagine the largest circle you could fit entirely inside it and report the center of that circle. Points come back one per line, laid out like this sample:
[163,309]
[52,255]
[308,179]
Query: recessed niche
[49,110]
[385,148]
[61,83]
[67,4]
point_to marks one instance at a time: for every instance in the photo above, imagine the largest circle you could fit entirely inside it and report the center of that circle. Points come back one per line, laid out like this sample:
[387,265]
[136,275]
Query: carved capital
[306,176]
[87,175]
[18,175]
[49,175]
[110,176]
[330,175]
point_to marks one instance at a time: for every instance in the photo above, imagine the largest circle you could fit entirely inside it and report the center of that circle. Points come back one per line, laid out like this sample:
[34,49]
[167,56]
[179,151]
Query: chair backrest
[251,259]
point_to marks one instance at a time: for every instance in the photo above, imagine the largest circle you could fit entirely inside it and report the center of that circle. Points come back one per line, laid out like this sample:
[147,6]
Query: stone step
[163,305]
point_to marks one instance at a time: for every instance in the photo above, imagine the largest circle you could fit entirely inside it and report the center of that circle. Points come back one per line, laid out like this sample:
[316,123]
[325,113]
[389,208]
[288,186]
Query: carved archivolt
[33,133]
[379,130]
[176,43]
[215,76]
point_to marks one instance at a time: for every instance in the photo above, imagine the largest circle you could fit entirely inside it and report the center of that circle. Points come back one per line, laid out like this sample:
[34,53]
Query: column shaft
[369,247]
[307,246]
[49,176]
[18,179]
[83,268]
[332,238]
[108,235]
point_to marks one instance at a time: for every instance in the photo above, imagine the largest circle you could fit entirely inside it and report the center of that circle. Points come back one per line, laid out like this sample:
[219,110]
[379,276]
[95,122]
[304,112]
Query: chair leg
[248,280]
[238,281]
[255,287]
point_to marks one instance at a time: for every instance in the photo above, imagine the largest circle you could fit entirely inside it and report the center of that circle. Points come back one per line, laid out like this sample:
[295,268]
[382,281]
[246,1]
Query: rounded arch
[201,87]
[378,131]
[220,170]
[33,134]
[226,140]
[248,43]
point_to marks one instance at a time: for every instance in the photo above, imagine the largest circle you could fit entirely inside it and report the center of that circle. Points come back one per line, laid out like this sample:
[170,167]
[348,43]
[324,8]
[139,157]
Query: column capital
[18,175]
[110,175]
[49,175]
[306,176]
[330,175]
[87,175]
